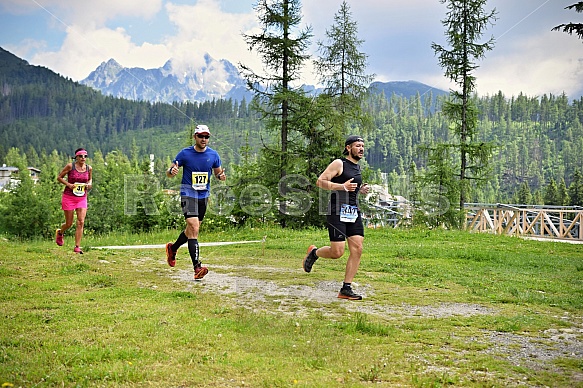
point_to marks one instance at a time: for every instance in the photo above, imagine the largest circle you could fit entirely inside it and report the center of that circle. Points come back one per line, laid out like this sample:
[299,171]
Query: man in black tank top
[343,177]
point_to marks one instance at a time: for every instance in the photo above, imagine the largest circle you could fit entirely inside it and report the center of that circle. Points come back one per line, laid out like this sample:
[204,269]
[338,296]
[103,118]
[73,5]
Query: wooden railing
[564,223]
[393,215]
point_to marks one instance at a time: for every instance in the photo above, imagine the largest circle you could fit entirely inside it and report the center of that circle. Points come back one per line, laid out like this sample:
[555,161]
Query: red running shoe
[59,237]
[199,272]
[170,255]
[78,250]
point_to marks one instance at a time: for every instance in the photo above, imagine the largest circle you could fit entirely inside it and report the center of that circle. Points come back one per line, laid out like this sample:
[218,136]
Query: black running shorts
[339,231]
[193,207]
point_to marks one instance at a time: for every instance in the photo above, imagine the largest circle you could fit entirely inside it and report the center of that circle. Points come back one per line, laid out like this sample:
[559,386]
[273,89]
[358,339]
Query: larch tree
[465,23]
[282,48]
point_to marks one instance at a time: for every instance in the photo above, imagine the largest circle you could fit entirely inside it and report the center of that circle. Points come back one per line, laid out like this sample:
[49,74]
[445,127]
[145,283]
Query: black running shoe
[310,258]
[347,293]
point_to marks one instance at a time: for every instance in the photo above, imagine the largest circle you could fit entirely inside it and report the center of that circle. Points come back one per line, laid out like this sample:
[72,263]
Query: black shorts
[339,231]
[193,207]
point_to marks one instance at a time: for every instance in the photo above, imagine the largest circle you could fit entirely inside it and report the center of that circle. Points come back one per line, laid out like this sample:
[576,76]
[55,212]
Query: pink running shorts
[71,202]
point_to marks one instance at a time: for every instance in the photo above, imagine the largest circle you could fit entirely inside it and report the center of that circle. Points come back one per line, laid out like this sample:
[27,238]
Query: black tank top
[349,170]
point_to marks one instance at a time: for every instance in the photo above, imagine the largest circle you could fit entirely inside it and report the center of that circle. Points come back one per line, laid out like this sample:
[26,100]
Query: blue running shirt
[197,169]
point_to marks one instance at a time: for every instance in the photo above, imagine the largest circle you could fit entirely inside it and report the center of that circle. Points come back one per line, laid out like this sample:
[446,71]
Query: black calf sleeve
[193,250]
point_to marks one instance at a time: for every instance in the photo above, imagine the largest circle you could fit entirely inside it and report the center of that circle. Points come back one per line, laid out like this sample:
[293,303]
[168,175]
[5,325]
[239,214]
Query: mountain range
[214,79]
[536,139]
[173,82]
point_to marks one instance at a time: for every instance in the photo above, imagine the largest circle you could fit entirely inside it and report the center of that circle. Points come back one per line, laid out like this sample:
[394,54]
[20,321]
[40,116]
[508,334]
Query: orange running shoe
[170,255]
[199,272]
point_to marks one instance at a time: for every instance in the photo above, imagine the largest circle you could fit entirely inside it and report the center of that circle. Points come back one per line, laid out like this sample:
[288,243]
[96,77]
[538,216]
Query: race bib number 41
[348,213]
[199,180]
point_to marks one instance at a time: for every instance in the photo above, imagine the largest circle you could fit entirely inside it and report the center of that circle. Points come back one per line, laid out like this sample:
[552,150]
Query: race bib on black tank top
[348,213]
[345,203]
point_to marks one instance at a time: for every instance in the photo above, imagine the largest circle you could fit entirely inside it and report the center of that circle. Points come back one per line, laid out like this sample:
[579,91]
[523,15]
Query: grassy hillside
[441,308]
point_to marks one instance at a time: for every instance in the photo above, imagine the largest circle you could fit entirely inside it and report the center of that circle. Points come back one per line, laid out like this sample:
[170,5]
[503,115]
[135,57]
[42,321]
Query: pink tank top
[75,176]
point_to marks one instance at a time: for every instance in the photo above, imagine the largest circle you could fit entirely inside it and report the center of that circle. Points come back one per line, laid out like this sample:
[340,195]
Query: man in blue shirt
[198,163]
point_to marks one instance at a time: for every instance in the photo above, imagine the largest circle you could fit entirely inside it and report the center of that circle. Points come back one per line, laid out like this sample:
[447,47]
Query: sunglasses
[203,136]
[82,156]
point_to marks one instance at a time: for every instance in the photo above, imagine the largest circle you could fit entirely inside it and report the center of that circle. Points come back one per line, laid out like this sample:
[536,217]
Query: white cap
[202,129]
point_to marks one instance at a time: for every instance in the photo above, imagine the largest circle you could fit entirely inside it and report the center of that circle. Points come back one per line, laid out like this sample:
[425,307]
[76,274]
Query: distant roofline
[12,168]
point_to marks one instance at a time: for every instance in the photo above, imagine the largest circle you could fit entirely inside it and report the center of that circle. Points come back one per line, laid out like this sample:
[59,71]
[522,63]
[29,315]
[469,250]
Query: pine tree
[551,195]
[438,191]
[576,189]
[341,66]
[524,196]
[572,28]
[563,193]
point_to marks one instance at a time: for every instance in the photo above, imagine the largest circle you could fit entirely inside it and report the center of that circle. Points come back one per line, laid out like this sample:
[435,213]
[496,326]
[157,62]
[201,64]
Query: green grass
[120,318]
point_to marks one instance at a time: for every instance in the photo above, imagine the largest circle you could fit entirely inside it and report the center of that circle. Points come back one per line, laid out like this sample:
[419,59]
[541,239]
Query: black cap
[349,140]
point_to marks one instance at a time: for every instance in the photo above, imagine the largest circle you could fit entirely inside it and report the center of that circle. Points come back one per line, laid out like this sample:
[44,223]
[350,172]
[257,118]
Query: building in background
[9,176]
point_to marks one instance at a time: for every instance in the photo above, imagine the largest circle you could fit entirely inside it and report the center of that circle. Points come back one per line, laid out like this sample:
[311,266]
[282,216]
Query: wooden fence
[564,223]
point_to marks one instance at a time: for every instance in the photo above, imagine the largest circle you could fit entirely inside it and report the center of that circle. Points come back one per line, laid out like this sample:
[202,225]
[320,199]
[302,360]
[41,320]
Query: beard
[355,155]
[201,146]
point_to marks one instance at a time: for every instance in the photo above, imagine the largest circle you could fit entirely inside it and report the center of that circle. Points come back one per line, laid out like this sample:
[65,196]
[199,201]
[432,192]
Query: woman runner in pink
[74,199]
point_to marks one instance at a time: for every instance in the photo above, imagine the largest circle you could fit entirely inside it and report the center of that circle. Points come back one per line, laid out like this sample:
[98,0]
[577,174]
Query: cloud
[84,49]
[205,28]
[549,62]
[200,28]
[87,40]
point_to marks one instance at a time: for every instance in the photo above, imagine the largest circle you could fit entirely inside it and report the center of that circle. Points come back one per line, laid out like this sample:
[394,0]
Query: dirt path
[535,352]
[292,298]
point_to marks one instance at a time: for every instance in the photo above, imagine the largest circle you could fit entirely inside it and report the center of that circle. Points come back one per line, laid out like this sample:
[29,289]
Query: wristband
[170,171]
[345,189]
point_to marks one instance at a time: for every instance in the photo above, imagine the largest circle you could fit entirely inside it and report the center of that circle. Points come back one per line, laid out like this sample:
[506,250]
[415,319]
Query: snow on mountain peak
[180,79]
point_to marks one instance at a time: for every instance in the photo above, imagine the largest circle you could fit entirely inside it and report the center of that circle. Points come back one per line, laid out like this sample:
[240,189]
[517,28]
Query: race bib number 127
[199,180]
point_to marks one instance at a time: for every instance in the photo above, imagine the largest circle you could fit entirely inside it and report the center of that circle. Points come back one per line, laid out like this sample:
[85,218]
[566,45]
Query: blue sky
[72,37]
